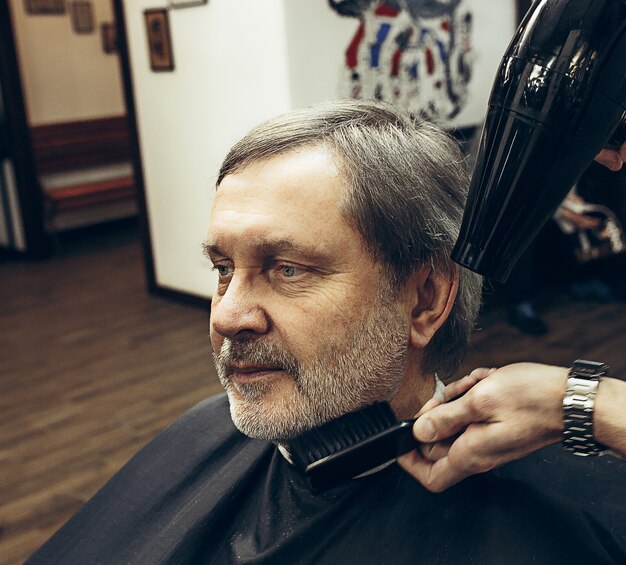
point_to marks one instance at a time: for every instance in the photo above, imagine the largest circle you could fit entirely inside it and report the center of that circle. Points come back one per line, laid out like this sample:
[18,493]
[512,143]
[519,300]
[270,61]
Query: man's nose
[239,310]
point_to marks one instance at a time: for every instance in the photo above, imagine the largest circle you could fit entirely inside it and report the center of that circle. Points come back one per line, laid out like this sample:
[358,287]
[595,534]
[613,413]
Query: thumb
[443,421]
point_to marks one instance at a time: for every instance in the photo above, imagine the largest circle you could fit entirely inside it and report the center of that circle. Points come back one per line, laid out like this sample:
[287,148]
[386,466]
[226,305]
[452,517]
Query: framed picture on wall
[82,16]
[159,42]
[186,3]
[44,7]
[109,37]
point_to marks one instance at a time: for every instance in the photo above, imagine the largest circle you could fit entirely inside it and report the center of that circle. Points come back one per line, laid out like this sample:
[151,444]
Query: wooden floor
[92,367]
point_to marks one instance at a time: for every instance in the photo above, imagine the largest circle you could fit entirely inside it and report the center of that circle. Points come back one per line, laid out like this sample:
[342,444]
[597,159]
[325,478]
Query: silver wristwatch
[578,405]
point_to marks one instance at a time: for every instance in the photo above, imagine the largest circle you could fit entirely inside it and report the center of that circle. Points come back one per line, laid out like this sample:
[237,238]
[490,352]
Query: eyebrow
[270,248]
[210,249]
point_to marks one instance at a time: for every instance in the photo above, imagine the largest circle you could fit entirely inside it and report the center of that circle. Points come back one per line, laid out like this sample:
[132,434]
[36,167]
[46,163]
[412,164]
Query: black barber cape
[201,492]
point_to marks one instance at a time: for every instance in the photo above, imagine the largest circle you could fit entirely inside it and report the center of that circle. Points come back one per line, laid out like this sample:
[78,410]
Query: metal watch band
[578,406]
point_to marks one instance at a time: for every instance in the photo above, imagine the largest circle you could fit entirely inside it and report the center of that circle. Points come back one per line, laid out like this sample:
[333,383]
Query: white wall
[494,24]
[66,76]
[316,41]
[237,62]
[230,59]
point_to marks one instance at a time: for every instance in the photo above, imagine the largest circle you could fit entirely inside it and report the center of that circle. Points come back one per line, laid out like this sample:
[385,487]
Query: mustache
[255,352]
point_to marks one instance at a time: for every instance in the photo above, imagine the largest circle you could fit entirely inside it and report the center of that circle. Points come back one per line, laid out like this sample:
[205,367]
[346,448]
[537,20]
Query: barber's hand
[504,414]
[612,159]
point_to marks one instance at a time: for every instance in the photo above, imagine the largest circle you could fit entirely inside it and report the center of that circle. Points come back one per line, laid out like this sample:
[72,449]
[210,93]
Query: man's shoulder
[597,484]
[180,475]
[204,436]
[202,428]
[560,471]
[211,413]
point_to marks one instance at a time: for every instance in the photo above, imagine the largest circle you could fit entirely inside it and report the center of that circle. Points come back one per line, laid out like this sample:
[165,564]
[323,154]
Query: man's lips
[250,372]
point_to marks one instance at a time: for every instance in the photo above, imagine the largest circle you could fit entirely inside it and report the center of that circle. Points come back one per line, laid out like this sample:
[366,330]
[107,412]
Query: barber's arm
[504,414]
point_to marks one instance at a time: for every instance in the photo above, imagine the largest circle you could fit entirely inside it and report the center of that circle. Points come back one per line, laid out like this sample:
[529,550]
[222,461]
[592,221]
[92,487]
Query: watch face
[588,369]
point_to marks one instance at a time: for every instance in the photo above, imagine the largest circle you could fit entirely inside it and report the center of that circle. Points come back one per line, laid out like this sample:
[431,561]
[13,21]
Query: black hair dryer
[559,97]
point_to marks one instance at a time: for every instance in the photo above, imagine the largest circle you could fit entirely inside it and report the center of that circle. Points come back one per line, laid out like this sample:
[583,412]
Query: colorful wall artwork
[415,54]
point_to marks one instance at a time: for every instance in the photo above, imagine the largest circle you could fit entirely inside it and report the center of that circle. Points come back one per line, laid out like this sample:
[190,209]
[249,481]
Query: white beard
[367,365]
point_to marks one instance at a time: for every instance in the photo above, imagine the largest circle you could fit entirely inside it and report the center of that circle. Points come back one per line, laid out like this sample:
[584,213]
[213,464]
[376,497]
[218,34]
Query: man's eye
[222,270]
[289,271]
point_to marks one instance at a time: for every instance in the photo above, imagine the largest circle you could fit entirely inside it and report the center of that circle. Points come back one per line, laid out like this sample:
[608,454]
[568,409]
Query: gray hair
[406,184]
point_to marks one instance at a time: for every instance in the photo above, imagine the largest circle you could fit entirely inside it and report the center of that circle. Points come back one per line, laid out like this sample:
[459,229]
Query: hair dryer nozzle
[475,259]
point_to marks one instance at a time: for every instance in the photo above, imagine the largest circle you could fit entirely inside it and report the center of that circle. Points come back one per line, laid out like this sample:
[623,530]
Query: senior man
[330,233]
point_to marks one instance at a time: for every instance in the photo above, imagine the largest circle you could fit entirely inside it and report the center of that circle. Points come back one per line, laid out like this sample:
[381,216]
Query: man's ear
[432,296]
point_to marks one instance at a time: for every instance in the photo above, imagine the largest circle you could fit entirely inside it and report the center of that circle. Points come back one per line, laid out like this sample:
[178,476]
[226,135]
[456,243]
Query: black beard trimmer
[351,445]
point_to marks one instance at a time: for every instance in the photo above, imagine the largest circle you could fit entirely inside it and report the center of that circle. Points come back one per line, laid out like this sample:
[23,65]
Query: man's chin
[267,412]
[268,427]
[278,418]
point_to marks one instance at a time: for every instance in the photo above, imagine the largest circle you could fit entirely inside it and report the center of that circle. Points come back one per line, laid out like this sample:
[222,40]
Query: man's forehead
[296,186]
[292,199]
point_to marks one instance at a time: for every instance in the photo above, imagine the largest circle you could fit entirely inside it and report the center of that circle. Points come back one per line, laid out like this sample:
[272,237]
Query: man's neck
[416,389]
